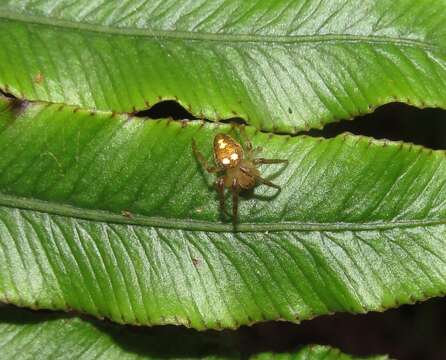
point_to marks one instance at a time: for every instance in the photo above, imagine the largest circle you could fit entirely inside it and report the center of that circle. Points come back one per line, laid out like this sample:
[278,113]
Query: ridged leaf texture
[112,216]
[278,64]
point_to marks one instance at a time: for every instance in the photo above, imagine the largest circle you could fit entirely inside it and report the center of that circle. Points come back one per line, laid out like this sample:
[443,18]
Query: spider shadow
[250,194]
[225,215]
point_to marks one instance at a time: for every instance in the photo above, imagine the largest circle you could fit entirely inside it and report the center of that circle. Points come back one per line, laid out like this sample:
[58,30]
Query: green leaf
[27,335]
[279,64]
[315,352]
[38,335]
[112,216]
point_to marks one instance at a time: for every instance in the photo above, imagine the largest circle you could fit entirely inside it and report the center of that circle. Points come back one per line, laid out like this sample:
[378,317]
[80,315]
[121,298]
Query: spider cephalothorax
[239,170]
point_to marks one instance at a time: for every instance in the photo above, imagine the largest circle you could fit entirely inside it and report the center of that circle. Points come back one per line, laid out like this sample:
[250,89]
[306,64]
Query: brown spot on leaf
[17,106]
[196,262]
[126,214]
[39,78]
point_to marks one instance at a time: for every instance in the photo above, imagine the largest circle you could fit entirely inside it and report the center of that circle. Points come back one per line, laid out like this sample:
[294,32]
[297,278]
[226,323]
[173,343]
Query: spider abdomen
[227,152]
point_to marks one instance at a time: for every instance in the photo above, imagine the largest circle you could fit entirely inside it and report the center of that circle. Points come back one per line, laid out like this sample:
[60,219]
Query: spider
[237,166]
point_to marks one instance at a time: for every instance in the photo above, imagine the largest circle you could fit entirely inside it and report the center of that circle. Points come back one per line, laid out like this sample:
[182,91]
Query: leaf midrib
[221,37]
[96,215]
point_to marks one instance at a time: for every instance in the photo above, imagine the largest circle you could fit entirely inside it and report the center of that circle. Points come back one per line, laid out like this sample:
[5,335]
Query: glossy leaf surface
[280,65]
[112,216]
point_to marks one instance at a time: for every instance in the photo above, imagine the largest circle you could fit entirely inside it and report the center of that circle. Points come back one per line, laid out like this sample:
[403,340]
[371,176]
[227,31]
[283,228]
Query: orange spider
[240,171]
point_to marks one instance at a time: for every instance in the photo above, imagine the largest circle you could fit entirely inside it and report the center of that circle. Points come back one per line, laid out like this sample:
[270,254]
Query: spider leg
[221,193]
[269,161]
[246,142]
[250,150]
[202,160]
[266,182]
[251,153]
[235,190]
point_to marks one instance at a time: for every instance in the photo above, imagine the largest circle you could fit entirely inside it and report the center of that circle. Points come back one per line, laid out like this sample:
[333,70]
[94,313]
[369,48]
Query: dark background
[411,332]
[393,121]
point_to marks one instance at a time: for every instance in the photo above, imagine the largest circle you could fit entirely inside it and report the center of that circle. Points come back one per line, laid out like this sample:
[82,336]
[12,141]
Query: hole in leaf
[395,121]
[234,120]
[171,109]
[166,110]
